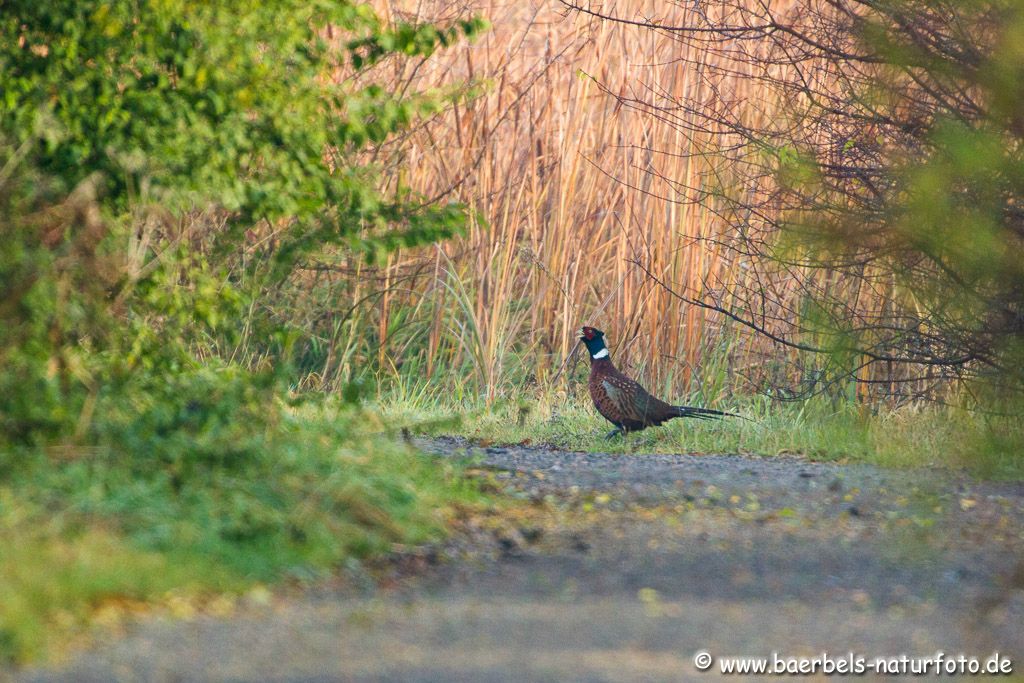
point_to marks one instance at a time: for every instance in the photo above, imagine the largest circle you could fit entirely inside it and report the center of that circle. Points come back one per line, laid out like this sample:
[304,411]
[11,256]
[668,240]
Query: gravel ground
[621,567]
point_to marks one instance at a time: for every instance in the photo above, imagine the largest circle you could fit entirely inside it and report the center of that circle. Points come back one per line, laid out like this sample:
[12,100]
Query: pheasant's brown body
[622,401]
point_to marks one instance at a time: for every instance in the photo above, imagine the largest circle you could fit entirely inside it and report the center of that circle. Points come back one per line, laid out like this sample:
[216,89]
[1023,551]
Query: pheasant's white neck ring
[603,353]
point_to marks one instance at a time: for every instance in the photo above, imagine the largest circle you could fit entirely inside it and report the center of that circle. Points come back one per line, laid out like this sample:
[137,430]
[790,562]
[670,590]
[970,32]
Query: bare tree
[870,175]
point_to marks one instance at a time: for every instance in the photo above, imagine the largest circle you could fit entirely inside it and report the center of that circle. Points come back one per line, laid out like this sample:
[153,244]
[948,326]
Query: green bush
[128,430]
[117,118]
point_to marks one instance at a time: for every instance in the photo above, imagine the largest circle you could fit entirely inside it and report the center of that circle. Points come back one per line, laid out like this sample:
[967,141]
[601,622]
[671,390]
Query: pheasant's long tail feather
[701,413]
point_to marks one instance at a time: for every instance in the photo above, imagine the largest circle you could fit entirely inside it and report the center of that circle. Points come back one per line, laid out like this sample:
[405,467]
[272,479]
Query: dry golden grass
[572,188]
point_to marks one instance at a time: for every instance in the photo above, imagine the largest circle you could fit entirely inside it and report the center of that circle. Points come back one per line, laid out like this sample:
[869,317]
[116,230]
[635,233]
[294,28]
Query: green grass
[81,530]
[55,579]
[913,436]
[210,490]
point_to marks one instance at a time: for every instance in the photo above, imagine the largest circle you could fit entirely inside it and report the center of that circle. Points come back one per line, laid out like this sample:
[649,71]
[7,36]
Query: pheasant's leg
[614,433]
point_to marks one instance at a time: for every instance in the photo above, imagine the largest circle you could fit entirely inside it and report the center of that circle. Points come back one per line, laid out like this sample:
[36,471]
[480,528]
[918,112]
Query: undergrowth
[155,198]
[192,502]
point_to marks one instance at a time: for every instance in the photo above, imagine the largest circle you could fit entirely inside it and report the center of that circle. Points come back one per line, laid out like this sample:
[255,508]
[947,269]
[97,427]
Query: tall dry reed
[572,190]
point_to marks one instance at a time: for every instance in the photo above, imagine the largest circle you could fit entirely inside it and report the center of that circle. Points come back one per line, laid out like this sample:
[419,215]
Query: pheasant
[622,401]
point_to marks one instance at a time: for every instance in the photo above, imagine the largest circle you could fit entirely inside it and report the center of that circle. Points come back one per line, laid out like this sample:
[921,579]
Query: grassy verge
[919,436]
[87,534]
[181,512]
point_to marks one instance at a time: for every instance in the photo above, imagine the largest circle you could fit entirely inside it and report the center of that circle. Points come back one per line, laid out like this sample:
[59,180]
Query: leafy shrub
[122,430]
[223,107]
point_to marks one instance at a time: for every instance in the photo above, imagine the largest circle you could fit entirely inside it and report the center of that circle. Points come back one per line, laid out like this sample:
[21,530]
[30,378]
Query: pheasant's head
[594,340]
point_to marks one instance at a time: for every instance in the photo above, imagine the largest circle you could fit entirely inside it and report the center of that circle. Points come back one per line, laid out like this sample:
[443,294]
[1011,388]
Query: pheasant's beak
[581,334]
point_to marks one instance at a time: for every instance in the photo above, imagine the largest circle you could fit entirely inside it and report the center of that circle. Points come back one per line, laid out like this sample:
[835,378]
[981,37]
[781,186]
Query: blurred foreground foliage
[918,186]
[246,112]
[124,417]
[162,510]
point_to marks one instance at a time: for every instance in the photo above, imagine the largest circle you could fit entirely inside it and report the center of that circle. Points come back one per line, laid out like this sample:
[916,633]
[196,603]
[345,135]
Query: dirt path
[620,568]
